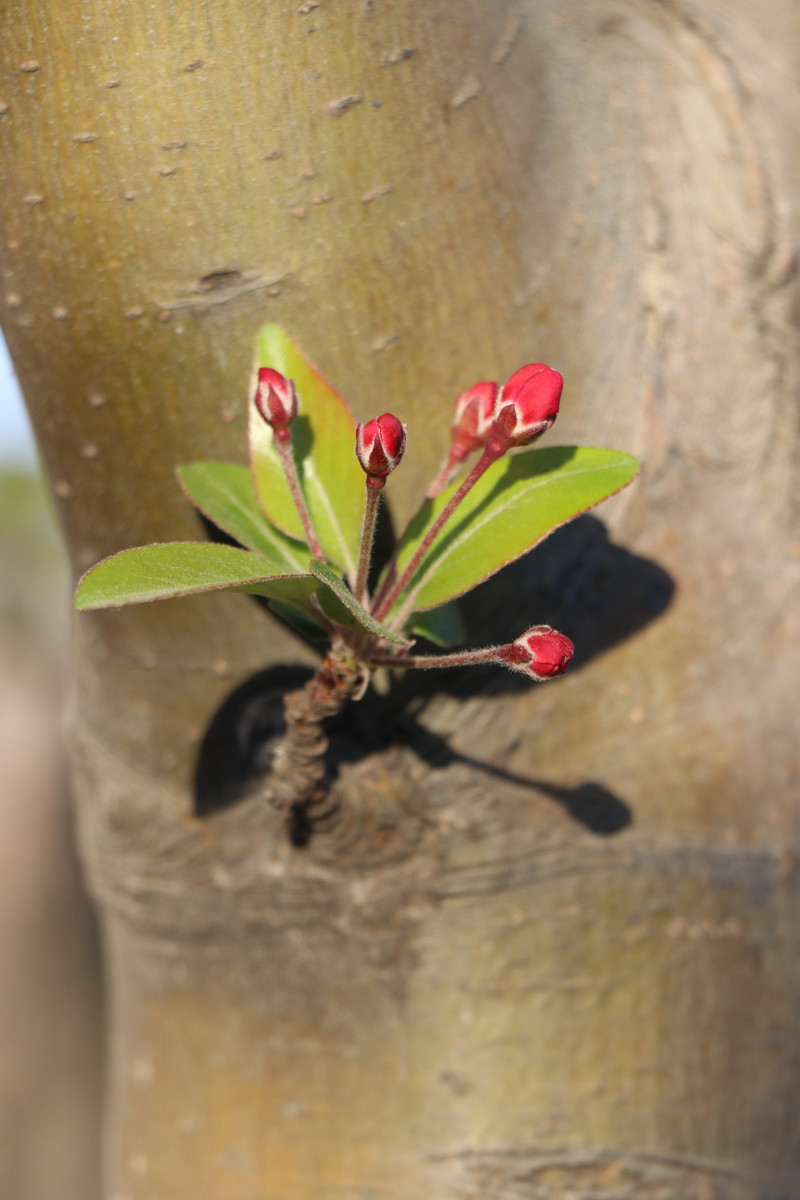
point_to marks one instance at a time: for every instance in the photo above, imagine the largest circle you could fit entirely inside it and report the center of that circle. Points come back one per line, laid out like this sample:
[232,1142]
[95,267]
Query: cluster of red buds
[488,418]
[497,418]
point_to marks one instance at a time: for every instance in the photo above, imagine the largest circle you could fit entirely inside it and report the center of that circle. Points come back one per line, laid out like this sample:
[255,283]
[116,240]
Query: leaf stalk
[283,442]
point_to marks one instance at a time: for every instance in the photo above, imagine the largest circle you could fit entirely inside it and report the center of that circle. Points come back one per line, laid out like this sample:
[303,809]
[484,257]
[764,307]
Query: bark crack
[542,1173]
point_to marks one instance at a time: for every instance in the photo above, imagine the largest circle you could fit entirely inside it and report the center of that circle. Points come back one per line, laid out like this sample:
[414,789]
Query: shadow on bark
[578,581]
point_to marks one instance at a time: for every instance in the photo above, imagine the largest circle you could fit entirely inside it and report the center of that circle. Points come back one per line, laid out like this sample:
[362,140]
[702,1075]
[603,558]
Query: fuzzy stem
[446,473]
[493,450]
[283,440]
[448,470]
[374,488]
[463,658]
[391,575]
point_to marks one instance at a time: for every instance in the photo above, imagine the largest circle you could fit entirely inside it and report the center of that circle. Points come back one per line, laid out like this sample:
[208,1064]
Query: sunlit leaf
[346,598]
[323,437]
[224,493]
[512,507]
[183,569]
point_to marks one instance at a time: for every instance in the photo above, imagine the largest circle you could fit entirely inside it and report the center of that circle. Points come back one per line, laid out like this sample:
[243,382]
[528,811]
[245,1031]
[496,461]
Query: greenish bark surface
[459,989]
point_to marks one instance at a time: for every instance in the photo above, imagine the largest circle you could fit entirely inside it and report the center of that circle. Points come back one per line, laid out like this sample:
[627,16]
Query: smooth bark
[460,988]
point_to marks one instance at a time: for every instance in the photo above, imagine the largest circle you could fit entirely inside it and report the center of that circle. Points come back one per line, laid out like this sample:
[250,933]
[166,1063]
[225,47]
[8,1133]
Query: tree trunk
[550,946]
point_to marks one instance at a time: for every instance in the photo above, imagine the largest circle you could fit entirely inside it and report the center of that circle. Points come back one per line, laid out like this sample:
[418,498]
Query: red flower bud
[380,445]
[473,418]
[276,398]
[528,404]
[542,652]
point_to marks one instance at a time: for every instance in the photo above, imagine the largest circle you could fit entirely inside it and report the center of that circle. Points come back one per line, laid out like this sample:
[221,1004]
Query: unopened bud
[380,445]
[472,422]
[528,404]
[276,398]
[542,653]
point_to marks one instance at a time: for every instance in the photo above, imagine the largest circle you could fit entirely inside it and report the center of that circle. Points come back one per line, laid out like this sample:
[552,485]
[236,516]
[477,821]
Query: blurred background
[51,1026]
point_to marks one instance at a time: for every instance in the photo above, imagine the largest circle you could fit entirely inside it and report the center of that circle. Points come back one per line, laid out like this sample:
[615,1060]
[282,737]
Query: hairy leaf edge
[282,533]
[412,593]
[177,595]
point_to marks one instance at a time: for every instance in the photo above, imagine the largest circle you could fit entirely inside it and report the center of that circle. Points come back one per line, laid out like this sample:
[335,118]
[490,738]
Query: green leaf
[323,438]
[443,626]
[512,507]
[347,599]
[224,493]
[299,620]
[183,569]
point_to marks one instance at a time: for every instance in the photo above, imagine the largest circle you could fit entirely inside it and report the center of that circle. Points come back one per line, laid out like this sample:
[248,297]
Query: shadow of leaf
[578,581]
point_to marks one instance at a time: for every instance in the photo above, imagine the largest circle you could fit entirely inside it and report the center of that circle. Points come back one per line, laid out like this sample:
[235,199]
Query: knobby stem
[283,440]
[374,489]
[297,778]
[492,451]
